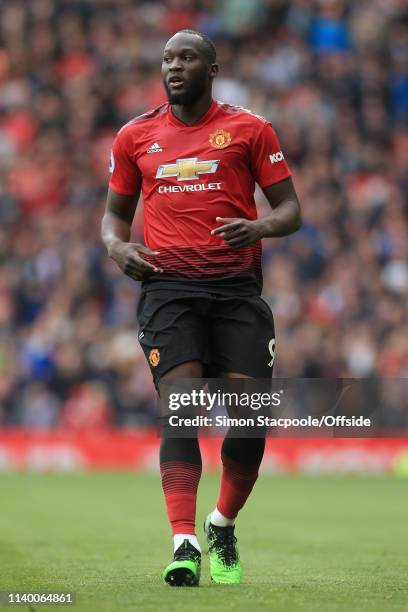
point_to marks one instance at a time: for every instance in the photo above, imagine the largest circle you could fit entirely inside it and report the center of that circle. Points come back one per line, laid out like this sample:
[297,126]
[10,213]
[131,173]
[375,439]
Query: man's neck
[193,112]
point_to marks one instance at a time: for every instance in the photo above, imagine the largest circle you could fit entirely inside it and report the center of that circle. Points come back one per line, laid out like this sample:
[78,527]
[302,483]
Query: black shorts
[227,334]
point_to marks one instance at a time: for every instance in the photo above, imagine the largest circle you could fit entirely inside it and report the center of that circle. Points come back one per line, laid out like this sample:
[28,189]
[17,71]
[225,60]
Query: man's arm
[115,234]
[284,219]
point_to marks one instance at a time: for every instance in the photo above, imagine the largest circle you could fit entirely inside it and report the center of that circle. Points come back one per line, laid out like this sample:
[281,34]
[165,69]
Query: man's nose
[175,64]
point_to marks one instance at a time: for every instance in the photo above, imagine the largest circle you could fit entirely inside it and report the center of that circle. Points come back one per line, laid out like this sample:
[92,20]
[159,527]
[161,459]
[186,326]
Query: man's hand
[128,257]
[238,233]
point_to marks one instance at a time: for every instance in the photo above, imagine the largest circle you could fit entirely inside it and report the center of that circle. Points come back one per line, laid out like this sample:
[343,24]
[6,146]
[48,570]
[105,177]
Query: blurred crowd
[331,75]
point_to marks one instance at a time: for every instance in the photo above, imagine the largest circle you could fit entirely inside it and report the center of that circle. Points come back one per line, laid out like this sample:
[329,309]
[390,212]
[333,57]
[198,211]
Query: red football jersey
[189,175]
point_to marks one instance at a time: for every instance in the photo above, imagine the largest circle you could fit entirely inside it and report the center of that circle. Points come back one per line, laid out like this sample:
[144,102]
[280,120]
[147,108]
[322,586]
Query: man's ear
[213,70]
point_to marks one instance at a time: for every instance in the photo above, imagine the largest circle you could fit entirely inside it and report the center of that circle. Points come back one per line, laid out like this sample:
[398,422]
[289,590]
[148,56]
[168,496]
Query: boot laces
[224,543]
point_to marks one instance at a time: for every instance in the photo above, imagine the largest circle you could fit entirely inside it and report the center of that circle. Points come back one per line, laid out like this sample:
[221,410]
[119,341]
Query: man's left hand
[238,233]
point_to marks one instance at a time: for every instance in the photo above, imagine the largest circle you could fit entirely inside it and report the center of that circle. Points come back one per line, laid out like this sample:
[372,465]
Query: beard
[193,92]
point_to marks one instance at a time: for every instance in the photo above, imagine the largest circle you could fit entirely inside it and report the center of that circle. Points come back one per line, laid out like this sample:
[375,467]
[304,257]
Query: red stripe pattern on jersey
[209,261]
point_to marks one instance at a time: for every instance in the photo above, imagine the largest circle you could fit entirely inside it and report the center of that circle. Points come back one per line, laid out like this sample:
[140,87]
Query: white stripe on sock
[219,520]
[180,537]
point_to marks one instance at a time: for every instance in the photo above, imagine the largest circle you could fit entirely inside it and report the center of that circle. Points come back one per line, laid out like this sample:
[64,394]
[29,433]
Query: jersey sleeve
[267,160]
[125,176]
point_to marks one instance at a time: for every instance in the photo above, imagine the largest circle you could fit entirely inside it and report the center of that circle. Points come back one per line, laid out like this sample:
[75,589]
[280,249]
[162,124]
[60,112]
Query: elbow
[101,232]
[104,232]
[297,221]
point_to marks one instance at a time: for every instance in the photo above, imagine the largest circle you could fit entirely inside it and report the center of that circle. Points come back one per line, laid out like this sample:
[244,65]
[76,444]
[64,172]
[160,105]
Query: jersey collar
[206,117]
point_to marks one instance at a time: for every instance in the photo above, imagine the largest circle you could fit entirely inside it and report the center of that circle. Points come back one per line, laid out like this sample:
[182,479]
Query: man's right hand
[128,257]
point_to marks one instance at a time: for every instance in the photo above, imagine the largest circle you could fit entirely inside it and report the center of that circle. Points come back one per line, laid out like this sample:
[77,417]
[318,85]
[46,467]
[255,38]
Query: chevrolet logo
[187,169]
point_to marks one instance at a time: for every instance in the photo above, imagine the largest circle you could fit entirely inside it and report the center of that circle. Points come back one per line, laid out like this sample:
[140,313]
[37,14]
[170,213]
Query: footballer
[196,162]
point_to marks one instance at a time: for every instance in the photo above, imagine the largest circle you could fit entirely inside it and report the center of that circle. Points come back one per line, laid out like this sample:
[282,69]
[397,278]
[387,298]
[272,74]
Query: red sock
[180,483]
[237,482]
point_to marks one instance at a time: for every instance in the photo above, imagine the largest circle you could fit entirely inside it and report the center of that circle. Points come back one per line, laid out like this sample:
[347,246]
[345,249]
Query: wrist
[112,245]
[261,227]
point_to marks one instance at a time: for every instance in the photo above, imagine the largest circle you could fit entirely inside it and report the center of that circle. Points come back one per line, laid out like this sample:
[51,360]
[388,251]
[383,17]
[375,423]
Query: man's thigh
[172,330]
[242,337]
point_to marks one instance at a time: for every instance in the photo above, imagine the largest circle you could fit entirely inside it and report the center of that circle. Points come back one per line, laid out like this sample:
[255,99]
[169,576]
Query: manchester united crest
[154,357]
[220,139]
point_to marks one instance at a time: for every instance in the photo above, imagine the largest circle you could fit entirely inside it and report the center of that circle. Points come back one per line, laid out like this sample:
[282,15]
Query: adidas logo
[155,148]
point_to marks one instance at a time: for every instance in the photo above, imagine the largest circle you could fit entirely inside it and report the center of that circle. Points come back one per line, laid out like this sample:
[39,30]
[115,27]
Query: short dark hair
[210,49]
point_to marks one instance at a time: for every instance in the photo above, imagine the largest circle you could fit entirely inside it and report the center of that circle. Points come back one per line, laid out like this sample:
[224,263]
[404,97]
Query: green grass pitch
[307,544]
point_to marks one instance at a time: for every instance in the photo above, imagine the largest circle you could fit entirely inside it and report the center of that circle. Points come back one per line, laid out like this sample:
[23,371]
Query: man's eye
[188,58]
[166,60]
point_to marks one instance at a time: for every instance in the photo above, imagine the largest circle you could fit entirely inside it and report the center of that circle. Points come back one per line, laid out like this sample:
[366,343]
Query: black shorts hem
[241,370]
